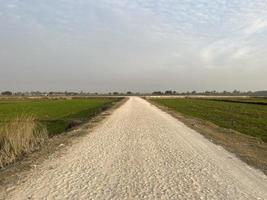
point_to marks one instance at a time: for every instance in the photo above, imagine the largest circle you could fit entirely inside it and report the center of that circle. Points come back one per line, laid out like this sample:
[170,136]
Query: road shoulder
[13,174]
[250,150]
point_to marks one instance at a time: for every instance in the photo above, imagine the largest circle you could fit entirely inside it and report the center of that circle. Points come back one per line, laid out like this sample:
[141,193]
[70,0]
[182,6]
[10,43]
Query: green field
[56,114]
[260,101]
[246,118]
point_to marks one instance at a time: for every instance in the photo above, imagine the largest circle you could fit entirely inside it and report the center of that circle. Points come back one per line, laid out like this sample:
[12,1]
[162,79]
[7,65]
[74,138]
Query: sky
[136,45]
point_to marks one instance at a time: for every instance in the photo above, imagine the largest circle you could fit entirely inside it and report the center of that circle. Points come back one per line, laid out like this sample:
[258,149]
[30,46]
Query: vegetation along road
[141,152]
[25,124]
[246,115]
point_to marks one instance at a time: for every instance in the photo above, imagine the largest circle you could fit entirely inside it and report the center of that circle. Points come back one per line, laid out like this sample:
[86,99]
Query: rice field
[247,116]
[56,114]
[25,124]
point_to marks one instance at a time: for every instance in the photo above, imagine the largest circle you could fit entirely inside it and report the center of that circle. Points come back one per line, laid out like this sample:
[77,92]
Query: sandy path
[140,152]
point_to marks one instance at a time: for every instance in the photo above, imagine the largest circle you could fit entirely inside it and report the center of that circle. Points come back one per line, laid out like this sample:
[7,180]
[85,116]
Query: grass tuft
[26,123]
[20,136]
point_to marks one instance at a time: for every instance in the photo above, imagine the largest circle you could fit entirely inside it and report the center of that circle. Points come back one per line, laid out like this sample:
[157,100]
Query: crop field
[259,101]
[247,116]
[25,124]
[56,114]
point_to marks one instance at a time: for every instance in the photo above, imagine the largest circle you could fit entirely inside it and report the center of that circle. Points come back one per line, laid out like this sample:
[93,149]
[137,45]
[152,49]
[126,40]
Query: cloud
[241,53]
[142,40]
[258,25]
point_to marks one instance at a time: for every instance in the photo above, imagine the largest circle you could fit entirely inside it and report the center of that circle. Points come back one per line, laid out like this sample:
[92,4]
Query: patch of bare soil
[251,150]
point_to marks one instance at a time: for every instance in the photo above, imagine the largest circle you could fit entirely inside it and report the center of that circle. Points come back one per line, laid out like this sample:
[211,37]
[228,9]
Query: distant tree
[236,92]
[115,93]
[129,93]
[193,92]
[7,93]
[157,93]
[168,92]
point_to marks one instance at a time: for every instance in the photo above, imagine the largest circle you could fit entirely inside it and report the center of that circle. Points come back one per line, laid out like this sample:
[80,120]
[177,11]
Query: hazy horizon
[139,46]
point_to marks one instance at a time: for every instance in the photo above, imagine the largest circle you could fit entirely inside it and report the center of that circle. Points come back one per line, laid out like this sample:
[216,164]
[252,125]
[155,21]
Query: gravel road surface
[141,152]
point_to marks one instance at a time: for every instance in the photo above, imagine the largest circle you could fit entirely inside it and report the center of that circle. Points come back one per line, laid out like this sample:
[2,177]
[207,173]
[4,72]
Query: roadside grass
[20,136]
[56,114]
[26,124]
[246,118]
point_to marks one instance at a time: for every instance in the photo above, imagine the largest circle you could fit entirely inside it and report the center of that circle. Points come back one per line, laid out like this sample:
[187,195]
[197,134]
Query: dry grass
[20,136]
[13,173]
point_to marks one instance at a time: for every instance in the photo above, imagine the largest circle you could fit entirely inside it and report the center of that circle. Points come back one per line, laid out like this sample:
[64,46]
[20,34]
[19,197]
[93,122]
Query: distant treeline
[156,93]
[213,93]
[66,93]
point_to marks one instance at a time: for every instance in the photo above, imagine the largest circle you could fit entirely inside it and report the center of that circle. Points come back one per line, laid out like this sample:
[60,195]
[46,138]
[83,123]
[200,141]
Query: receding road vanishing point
[141,152]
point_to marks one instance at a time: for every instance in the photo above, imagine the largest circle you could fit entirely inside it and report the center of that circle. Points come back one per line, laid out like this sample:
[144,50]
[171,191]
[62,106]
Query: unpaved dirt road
[140,152]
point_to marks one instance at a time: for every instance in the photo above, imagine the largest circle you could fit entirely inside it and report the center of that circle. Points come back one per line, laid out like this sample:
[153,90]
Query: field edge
[249,149]
[11,175]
